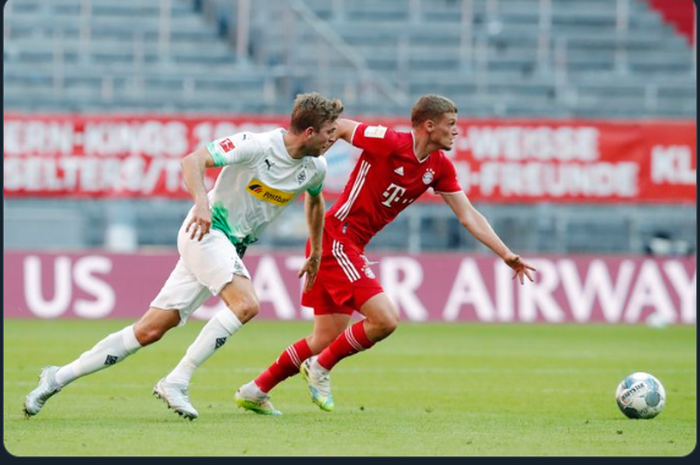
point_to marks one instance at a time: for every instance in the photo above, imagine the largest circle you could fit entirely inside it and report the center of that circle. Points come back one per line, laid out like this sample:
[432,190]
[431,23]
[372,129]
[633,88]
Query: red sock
[353,340]
[286,365]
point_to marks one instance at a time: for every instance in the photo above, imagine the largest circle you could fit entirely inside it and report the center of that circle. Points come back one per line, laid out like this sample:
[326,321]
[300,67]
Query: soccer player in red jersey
[394,169]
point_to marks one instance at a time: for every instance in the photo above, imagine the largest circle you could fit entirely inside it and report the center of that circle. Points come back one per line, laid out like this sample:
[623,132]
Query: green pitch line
[428,390]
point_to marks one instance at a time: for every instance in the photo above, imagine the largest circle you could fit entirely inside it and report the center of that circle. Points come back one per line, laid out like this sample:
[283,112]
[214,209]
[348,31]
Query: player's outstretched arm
[193,167]
[346,128]
[479,227]
[314,208]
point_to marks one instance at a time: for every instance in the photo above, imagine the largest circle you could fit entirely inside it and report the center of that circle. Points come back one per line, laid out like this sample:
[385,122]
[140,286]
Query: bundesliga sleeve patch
[375,132]
[226,145]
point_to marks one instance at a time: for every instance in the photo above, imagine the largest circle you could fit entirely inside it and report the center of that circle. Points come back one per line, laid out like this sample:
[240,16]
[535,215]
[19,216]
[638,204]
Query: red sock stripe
[358,331]
[351,341]
[286,365]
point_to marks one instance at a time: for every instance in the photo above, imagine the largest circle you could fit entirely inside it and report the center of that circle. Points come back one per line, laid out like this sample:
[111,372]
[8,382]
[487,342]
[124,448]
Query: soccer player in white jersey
[263,173]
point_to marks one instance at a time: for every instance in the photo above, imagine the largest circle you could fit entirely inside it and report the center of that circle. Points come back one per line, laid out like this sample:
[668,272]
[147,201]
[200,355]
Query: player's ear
[429,126]
[308,132]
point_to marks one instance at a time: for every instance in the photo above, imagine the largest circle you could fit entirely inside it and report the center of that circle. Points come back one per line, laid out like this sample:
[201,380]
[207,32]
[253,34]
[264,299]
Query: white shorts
[203,269]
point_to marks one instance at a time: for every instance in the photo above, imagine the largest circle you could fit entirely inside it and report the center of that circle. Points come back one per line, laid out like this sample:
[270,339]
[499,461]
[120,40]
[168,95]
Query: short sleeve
[446,182]
[377,140]
[238,148]
[316,187]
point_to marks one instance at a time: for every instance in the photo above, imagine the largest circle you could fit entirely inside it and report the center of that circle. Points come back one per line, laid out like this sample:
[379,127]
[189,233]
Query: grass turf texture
[429,390]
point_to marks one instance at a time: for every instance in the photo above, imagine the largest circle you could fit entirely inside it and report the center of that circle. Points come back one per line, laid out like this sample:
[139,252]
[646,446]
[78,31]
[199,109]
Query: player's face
[445,131]
[322,140]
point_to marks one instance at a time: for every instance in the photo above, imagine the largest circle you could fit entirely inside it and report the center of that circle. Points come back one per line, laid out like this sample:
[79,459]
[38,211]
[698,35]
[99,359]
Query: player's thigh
[181,295]
[213,260]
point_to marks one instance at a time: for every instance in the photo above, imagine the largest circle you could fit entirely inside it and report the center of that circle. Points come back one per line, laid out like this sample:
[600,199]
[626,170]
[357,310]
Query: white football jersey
[258,181]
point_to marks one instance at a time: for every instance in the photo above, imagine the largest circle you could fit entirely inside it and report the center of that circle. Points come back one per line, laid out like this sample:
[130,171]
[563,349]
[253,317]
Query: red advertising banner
[428,287]
[497,160]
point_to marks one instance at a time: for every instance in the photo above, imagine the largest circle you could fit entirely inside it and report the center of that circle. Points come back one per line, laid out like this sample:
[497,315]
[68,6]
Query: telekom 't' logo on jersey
[392,194]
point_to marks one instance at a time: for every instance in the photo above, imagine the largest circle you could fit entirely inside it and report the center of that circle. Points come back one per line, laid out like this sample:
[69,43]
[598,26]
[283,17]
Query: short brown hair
[312,110]
[431,107]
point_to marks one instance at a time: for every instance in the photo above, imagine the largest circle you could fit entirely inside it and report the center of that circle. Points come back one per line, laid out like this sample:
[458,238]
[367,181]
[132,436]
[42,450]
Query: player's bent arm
[193,167]
[477,225]
[346,128]
[315,207]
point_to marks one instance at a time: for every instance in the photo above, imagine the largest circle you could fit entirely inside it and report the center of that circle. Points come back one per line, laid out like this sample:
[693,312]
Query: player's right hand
[199,223]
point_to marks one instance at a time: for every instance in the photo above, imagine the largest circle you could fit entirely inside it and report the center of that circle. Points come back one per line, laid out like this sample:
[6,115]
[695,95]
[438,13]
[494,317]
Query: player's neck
[294,145]
[422,147]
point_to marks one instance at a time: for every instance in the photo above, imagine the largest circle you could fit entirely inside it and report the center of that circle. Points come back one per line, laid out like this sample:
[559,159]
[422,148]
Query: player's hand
[520,268]
[200,223]
[310,269]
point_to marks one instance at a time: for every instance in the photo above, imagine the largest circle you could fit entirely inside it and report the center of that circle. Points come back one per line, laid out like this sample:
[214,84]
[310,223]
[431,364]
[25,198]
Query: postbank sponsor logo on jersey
[264,192]
[226,145]
[376,132]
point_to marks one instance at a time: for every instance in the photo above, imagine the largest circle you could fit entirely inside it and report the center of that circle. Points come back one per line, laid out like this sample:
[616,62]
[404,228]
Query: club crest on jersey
[226,145]
[301,177]
[368,272]
[428,176]
[263,192]
[375,132]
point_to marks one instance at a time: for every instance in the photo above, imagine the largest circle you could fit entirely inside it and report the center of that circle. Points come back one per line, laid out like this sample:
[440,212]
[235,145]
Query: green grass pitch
[428,390]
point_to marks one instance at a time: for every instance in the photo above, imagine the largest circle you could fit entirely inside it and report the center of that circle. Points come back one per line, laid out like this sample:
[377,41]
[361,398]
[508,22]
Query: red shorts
[345,280]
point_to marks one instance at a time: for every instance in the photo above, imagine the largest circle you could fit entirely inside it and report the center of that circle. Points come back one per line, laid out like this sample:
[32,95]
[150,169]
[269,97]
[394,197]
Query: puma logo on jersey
[266,193]
[399,171]
[269,165]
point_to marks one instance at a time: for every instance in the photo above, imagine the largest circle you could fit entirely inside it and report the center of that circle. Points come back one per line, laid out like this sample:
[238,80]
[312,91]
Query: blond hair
[313,110]
[431,107]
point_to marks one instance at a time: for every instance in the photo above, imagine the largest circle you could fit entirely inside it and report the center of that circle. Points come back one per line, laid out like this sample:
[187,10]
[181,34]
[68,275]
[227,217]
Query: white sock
[213,335]
[109,351]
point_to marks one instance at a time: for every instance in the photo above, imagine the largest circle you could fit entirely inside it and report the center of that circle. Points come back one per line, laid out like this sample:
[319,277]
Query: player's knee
[384,323]
[388,323]
[246,308]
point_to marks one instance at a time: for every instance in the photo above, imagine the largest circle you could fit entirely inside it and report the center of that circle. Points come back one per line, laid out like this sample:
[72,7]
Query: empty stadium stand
[494,58]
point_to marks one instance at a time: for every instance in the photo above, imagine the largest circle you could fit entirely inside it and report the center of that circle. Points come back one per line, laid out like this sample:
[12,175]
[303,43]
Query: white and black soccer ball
[640,395]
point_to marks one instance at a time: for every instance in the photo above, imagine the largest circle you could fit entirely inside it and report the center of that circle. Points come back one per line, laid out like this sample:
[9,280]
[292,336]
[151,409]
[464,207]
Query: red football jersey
[388,177]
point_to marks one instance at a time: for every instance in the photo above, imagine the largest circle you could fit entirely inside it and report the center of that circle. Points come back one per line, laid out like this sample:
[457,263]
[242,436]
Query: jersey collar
[413,136]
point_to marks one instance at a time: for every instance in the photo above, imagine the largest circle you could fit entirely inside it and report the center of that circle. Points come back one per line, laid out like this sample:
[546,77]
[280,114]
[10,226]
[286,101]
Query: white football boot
[250,397]
[47,387]
[177,397]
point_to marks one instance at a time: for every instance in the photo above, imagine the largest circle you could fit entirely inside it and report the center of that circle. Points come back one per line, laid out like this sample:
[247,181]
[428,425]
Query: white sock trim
[228,320]
[131,344]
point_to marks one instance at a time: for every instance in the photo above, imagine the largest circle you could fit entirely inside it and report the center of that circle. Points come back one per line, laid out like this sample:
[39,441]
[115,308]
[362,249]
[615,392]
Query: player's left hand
[520,268]
[310,269]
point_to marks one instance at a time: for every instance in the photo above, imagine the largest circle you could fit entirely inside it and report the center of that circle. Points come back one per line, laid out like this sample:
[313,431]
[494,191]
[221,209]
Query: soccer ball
[640,395]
